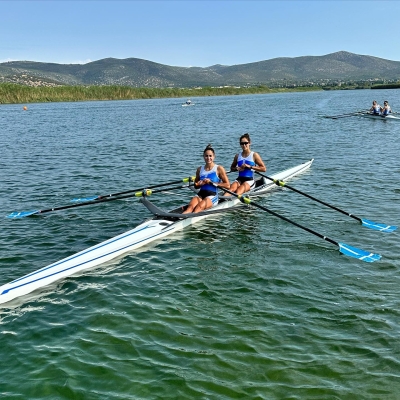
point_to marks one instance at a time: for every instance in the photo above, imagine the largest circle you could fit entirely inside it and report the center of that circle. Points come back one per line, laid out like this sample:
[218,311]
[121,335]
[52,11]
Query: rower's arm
[224,178]
[259,167]
[197,179]
[234,163]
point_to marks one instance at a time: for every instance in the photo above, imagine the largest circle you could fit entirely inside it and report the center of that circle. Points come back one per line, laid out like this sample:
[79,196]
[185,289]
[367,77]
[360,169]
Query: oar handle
[148,192]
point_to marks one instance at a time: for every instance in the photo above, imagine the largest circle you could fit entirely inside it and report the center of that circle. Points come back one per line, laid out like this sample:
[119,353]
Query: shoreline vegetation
[11,93]
[387,86]
[18,94]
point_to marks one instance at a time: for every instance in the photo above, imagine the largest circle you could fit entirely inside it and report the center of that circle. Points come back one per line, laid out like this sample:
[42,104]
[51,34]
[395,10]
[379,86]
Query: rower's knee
[233,187]
[243,188]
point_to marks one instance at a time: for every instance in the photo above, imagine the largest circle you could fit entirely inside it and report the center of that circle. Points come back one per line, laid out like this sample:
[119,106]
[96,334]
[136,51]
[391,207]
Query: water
[238,306]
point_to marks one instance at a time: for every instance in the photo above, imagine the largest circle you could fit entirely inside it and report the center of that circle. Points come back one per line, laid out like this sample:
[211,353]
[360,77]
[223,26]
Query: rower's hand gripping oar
[365,222]
[343,248]
[22,214]
[92,198]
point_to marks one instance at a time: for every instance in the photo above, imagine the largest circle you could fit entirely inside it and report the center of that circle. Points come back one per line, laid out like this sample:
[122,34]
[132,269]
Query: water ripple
[240,306]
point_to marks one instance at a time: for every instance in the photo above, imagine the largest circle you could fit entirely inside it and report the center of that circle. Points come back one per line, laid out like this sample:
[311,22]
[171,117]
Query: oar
[343,115]
[99,197]
[22,214]
[365,222]
[343,248]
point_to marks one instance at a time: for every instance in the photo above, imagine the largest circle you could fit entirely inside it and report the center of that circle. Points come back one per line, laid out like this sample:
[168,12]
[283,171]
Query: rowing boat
[188,103]
[381,117]
[153,229]
[365,114]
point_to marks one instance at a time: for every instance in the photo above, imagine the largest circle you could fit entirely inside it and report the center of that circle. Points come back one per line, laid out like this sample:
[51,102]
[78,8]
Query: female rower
[207,177]
[386,110]
[375,109]
[245,162]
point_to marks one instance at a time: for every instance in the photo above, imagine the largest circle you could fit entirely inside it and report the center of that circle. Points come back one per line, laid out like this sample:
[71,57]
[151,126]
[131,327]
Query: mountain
[135,72]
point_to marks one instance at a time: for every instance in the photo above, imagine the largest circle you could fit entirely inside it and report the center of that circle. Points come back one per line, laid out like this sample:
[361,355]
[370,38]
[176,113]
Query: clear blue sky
[195,33]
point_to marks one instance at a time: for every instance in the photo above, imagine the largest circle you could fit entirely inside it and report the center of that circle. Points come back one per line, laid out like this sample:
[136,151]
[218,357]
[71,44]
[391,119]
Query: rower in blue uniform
[208,177]
[386,110]
[375,109]
[245,162]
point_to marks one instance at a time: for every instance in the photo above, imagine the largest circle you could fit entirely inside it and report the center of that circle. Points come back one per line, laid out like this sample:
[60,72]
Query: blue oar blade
[22,214]
[84,199]
[378,226]
[358,253]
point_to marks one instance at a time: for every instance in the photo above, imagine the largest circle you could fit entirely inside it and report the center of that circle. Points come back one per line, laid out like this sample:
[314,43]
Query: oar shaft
[283,184]
[147,187]
[339,116]
[246,200]
[344,115]
[296,224]
[86,203]
[343,248]
[103,200]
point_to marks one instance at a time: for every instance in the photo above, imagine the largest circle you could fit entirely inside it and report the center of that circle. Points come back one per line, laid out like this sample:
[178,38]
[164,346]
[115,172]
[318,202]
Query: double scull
[159,226]
[376,116]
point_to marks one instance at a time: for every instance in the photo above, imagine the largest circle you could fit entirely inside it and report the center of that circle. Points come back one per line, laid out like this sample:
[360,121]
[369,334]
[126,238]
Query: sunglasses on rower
[243,143]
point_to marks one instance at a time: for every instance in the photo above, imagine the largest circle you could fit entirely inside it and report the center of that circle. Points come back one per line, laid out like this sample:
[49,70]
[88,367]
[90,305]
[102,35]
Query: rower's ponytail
[209,147]
[245,136]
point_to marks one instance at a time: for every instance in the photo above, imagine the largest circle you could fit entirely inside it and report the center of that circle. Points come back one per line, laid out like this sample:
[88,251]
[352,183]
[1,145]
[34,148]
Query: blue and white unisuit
[386,111]
[209,190]
[247,174]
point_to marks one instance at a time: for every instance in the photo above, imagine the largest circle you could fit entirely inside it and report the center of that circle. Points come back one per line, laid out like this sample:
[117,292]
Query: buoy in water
[24,108]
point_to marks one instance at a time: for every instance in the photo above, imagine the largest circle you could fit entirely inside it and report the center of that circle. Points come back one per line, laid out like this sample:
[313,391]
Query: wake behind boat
[153,229]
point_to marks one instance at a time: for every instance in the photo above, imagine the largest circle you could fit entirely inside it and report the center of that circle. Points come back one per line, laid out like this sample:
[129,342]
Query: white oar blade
[358,253]
[21,214]
[378,226]
[84,199]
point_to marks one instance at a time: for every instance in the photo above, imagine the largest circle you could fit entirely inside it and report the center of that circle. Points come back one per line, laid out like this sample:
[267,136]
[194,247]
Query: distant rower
[376,108]
[386,110]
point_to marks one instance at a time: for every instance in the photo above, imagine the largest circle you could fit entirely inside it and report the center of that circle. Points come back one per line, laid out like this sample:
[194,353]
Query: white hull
[380,117]
[143,234]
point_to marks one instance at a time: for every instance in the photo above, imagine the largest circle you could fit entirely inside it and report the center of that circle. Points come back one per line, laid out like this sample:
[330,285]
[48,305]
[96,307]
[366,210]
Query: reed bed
[15,94]
[387,86]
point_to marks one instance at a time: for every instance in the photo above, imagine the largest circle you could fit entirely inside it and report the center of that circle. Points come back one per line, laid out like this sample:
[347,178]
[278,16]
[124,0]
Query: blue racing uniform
[209,190]
[246,175]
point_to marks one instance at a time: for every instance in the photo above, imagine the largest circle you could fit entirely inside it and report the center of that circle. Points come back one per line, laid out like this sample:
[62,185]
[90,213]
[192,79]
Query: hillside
[134,72]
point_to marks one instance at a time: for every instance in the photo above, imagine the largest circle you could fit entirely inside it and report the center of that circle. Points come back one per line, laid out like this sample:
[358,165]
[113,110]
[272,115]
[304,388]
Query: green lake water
[239,306]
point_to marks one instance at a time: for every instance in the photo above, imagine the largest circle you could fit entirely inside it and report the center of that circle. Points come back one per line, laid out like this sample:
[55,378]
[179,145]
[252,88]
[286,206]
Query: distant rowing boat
[365,114]
[161,225]
[389,117]
[188,103]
